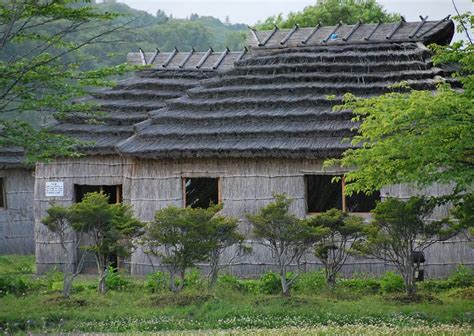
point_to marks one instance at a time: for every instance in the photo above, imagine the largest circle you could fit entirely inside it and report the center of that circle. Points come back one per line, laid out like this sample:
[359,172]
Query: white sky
[250,11]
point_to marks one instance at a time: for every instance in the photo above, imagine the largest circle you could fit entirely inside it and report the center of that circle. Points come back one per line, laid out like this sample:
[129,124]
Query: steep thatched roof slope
[424,31]
[130,101]
[276,104]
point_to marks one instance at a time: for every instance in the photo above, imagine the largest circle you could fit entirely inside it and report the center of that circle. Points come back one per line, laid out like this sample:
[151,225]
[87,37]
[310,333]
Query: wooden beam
[287,37]
[311,33]
[369,35]
[170,58]
[332,32]
[349,34]
[269,36]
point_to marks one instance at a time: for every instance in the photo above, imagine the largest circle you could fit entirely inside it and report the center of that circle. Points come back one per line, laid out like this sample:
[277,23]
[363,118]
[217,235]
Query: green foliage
[330,12]
[270,283]
[416,136]
[391,282]
[115,280]
[339,232]
[287,236]
[17,264]
[361,285]
[311,282]
[13,284]
[157,282]
[112,226]
[53,279]
[182,237]
[39,69]
[398,228]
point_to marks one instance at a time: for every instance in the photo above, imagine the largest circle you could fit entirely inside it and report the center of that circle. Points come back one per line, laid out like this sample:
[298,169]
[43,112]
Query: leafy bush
[463,276]
[53,279]
[392,282]
[13,284]
[115,280]
[361,285]
[311,282]
[157,282]
[194,279]
[270,283]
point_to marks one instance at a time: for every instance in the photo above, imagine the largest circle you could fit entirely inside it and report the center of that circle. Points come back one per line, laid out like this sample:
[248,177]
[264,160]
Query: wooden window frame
[118,190]
[219,187]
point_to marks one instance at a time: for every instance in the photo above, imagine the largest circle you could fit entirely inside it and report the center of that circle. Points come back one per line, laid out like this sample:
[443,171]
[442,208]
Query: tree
[416,136]
[57,221]
[110,230]
[39,58]
[398,229]
[342,232]
[330,12]
[223,234]
[182,237]
[287,236]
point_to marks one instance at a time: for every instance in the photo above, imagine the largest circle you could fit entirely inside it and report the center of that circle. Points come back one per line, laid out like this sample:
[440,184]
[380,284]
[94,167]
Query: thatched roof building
[235,128]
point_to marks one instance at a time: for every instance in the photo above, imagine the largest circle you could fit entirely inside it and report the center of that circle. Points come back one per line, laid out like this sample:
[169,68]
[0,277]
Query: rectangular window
[200,192]
[3,199]
[323,194]
[113,191]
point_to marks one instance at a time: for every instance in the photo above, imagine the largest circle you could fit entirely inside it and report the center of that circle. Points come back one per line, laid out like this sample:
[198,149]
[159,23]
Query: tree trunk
[409,279]
[102,288]
[330,279]
[214,271]
[285,287]
[67,284]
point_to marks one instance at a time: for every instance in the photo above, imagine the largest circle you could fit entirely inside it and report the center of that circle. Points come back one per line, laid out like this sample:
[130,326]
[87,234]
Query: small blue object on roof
[333,36]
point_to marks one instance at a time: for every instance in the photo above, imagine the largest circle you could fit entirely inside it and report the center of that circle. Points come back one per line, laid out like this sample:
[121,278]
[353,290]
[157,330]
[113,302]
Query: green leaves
[330,12]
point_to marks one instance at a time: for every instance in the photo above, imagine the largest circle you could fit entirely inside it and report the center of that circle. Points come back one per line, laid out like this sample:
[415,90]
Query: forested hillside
[163,32]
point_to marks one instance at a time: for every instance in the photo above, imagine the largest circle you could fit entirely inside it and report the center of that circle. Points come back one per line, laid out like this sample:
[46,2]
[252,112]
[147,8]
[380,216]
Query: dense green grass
[135,308]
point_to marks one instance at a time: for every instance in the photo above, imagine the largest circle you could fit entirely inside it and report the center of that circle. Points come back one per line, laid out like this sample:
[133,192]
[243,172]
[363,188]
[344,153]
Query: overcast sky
[251,11]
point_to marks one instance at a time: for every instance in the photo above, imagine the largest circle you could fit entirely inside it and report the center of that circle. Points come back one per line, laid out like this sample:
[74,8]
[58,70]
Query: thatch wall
[92,170]
[247,185]
[16,220]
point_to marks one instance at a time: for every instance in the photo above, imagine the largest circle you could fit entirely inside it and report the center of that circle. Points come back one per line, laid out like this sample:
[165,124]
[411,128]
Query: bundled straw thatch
[278,101]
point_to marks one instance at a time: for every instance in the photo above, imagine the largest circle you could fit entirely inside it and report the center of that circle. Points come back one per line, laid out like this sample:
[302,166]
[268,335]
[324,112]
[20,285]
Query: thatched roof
[128,103]
[12,157]
[424,31]
[275,103]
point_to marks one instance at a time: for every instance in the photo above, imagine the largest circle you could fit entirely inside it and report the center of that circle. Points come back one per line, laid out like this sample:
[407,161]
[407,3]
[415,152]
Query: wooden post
[343,183]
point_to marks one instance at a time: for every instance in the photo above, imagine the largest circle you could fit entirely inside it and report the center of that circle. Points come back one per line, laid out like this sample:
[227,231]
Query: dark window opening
[113,191]
[322,194]
[201,192]
[360,202]
[3,202]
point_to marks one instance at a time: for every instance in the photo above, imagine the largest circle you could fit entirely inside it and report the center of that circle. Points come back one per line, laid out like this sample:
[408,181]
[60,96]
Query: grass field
[226,309]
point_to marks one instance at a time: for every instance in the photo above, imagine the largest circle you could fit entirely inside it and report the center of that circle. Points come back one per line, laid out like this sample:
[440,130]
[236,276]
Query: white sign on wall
[55,189]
